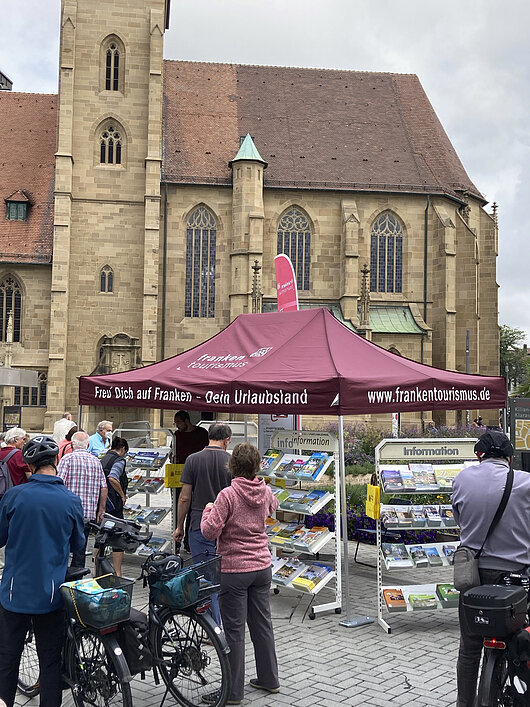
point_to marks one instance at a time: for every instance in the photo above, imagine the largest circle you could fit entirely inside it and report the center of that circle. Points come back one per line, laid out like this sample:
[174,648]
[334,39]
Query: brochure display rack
[287,472]
[406,468]
[145,469]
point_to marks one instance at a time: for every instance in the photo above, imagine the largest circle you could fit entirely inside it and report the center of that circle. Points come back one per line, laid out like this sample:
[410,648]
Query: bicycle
[93,665]
[504,679]
[189,650]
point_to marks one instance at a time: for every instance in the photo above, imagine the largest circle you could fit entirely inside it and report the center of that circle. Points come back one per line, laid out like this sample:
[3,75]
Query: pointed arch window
[112,67]
[201,237]
[386,254]
[111,144]
[10,306]
[294,239]
[106,279]
[112,62]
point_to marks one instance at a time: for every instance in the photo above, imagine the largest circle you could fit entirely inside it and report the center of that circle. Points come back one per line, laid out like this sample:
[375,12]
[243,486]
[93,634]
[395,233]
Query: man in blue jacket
[41,522]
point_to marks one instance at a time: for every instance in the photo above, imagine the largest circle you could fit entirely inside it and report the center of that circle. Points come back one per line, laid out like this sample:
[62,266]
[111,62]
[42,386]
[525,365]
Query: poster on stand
[269,424]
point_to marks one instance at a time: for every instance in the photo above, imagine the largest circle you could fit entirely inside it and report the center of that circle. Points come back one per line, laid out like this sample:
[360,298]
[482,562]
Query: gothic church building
[145,203]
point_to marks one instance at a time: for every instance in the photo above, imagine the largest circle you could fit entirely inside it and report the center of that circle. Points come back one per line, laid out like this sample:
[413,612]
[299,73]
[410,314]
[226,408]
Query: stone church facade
[146,202]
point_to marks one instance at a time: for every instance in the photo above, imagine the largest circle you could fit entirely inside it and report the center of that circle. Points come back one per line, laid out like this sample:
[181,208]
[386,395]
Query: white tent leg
[348,621]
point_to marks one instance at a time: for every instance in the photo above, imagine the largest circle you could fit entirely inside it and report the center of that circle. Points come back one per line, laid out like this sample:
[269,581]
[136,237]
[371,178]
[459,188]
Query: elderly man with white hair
[99,442]
[15,439]
[83,474]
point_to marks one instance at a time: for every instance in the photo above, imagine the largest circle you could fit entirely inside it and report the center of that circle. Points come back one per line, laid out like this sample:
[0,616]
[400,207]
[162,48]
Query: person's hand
[178,534]
[208,505]
[99,516]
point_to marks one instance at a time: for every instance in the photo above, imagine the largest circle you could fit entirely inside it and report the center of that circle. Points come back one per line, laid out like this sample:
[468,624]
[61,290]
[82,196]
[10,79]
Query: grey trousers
[471,650]
[244,598]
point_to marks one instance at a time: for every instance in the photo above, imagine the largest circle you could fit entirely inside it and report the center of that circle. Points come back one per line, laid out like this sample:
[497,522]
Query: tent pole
[79,413]
[348,621]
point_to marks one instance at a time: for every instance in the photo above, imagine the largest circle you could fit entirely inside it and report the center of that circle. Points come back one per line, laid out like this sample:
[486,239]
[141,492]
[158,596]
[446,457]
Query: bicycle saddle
[75,573]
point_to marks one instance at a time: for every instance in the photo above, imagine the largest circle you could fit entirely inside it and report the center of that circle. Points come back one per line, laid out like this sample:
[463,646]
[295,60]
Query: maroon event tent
[303,362]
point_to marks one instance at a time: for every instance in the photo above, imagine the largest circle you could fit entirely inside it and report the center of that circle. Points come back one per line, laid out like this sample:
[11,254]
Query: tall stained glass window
[294,239]
[112,67]
[201,236]
[10,304]
[386,254]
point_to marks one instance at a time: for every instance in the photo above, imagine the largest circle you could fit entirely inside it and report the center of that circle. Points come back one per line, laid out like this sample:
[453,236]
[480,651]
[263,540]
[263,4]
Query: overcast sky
[472,57]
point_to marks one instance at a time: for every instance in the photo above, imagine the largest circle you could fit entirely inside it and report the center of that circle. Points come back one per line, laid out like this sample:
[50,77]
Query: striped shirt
[83,474]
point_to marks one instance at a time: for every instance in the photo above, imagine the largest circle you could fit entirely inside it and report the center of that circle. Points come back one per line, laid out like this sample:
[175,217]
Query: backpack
[114,502]
[6,482]
[133,637]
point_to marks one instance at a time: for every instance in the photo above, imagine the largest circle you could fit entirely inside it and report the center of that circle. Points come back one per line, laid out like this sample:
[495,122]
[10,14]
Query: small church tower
[247,223]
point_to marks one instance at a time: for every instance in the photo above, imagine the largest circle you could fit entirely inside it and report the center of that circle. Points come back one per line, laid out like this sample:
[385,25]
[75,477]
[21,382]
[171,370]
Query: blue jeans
[200,548]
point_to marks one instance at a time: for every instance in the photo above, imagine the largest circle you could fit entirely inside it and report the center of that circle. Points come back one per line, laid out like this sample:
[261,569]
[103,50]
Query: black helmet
[39,448]
[494,444]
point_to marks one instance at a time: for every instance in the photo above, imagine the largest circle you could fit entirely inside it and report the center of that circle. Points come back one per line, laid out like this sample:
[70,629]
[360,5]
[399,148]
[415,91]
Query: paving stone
[324,664]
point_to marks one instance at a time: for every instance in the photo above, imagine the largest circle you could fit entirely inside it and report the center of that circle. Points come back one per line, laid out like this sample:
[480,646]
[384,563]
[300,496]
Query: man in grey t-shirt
[477,492]
[205,473]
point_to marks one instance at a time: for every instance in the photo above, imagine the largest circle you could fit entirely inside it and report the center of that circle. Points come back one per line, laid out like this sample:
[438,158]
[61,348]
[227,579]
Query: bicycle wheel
[494,689]
[191,658]
[95,671]
[28,672]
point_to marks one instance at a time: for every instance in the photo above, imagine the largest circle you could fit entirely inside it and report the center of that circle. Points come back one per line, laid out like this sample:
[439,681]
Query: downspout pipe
[425,252]
[425,282]
[164,293]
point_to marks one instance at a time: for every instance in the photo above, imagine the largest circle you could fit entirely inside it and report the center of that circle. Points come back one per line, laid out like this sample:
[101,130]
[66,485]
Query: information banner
[425,449]
[286,289]
[310,441]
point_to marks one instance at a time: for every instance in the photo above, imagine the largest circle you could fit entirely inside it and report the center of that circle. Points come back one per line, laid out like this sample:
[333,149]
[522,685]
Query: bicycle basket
[99,602]
[494,610]
[191,585]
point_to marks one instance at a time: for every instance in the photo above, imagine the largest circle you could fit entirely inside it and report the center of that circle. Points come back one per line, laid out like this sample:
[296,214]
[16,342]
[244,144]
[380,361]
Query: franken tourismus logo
[260,352]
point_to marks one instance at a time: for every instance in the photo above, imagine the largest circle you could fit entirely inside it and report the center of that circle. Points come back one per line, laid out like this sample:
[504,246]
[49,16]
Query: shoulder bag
[466,572]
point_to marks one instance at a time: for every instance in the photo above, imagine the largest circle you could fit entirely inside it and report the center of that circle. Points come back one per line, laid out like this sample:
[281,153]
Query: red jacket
[16,466]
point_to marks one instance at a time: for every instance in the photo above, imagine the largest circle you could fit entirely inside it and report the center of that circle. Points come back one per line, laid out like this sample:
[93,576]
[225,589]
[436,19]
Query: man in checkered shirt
[83,474]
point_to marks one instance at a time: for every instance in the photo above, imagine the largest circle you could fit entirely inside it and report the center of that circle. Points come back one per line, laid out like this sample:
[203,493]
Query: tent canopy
[303,362]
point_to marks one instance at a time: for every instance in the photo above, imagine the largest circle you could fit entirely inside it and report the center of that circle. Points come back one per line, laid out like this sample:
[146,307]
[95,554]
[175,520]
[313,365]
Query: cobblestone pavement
[322,663]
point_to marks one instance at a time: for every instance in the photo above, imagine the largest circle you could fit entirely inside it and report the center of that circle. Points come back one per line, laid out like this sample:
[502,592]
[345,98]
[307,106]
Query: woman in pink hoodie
[237,521]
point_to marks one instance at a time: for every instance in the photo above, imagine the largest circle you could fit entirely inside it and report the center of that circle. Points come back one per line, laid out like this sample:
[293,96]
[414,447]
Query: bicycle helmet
[494,444]
[39,448]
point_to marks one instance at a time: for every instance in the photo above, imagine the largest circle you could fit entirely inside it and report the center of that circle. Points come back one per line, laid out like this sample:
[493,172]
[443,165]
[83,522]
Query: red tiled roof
[27,158]
[322,129]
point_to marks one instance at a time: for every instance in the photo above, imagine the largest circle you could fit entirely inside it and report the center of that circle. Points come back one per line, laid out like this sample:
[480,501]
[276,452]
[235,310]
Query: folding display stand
[404,451]
[318,442]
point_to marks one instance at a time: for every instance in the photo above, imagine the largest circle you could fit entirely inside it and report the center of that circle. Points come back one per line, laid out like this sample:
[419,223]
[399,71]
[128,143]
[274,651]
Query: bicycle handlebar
[116,528]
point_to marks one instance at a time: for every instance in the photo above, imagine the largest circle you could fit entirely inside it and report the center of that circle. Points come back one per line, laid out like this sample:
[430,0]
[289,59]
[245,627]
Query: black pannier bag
[133,638]
[494,610]
[519,650]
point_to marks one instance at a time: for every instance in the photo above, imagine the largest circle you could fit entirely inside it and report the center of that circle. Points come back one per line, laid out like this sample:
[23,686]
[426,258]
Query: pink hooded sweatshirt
[237,520]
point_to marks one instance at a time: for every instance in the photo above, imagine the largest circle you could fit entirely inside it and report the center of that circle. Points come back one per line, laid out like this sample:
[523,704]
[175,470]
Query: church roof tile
[322,129]
[29,123]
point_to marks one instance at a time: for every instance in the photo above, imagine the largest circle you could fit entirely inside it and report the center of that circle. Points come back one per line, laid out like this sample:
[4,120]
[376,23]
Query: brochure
[314,466]
[311,577]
